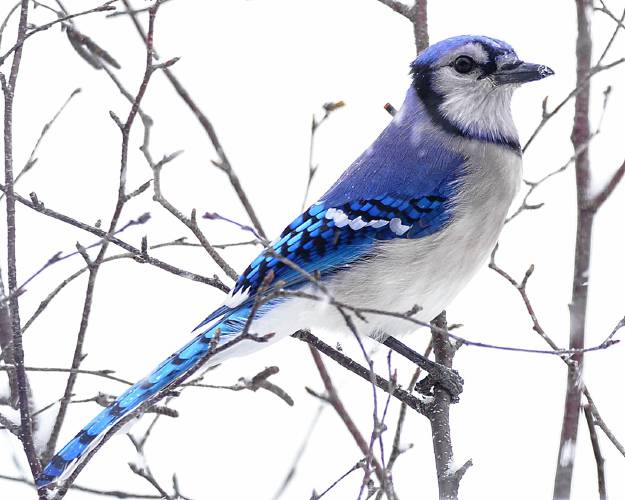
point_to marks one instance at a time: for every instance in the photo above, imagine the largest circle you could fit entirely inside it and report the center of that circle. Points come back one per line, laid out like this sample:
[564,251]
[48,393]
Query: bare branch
[346,362]
[595,203]
[215,349]
[599,422]
[417,15]
[448,474]
[89,50]
[585,78]
[93,491]
[190,222]
[146,474]
[258,381]
[597,452]
[397,6]
[579,136]
[329,108]
[223,163]
[95,265]
[8,88]
[39,207]
[30,163]
[133,11]
[99,373]
[397,449]
[335,401]
[9,425]
[18,45]
[358,465]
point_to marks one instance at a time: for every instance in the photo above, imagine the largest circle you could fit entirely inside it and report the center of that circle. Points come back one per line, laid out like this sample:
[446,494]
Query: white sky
[259,69]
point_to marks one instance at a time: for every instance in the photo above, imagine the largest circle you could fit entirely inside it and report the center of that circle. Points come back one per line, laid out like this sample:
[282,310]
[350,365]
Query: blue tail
[167,372]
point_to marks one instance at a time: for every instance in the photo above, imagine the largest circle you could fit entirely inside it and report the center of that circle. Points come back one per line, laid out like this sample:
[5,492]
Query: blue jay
[409,222]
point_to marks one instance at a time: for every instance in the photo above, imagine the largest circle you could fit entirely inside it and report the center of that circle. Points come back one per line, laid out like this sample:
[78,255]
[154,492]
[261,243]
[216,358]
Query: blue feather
[179,363]
[415,185]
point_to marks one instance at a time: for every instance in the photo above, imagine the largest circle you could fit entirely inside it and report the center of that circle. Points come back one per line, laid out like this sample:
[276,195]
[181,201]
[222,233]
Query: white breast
[428,271]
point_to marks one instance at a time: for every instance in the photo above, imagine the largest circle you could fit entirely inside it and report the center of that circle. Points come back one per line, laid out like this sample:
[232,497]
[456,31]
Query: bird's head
[466,84]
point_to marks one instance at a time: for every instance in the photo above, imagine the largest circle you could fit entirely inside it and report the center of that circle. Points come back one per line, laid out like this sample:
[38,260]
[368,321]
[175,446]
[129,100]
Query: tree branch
[18,45]
[448,474]
[417,15]
[223,163]
[346,362]
[581,279]
[595,203]
[337,404]
[140,256]
[94,266]
[597,452]
[8,88]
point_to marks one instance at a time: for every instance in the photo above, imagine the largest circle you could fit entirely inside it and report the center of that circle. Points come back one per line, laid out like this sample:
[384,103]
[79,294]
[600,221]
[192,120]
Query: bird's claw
[444,378]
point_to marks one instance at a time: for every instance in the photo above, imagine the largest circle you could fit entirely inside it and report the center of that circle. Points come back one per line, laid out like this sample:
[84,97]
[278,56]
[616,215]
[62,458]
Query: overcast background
[259,69]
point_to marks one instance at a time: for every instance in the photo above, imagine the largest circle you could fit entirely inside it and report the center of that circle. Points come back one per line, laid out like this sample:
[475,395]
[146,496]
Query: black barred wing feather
[325,238]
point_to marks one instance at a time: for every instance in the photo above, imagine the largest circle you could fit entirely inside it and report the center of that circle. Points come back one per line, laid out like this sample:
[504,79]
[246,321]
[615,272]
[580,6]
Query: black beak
[520,72]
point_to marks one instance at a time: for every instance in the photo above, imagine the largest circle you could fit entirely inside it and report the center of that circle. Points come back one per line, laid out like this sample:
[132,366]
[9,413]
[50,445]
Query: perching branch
[346,362]
[449,476]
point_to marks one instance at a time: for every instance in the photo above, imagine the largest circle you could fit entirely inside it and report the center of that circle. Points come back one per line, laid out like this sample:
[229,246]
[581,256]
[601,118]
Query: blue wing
[403,186]
[326,238]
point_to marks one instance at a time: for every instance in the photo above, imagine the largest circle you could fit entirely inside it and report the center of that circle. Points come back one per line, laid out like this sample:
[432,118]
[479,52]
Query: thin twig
[328,108]
[93,491]
[594,440]
[45,129]
[599,422]
[133,11]
[599,67]
[190,222]
[337,404]
[595,203]
[397,449]
[223,163]
[214,350]
[358,465]
[39,207]
[18,45]
[258,381]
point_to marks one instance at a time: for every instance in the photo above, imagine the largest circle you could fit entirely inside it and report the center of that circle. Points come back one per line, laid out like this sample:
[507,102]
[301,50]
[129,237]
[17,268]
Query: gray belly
[431,271]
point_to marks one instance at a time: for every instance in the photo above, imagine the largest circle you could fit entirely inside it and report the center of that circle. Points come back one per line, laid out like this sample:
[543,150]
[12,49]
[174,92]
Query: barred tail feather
[175,366]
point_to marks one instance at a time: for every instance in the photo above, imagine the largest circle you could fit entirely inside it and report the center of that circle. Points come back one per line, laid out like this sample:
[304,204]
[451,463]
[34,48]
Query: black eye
[464,64]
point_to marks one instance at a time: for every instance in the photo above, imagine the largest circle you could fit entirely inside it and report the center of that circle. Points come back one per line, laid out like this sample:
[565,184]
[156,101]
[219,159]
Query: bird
[408,223]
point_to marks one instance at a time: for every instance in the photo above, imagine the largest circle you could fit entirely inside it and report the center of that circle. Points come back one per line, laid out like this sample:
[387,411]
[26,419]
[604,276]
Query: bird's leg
[438,374]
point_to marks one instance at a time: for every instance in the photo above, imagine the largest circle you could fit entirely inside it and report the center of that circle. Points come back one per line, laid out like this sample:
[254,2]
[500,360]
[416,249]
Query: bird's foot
[442,377]
[438,374]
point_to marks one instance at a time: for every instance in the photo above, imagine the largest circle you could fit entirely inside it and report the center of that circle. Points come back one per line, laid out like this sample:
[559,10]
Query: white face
[470,99]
